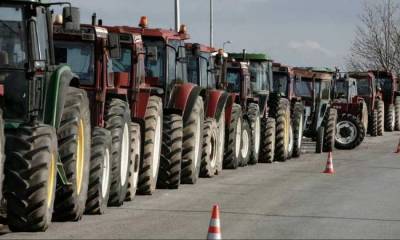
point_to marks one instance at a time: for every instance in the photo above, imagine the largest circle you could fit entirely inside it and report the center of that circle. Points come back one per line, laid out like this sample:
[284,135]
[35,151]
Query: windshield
[257,76]
[385,84]
[79,56]
[363,87]
[193,69]
[155,60]
[233,80]
[341,89]
[124,63]
[304,88]
[281,82]
[12,38]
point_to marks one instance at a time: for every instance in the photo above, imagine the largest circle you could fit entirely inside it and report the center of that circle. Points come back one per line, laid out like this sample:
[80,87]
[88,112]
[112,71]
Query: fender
[216,103]
[183,98]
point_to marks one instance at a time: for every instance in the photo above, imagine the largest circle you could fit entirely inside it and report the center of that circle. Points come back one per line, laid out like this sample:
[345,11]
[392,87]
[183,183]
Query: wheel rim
[291,140]
[51,180]
[198,142]
[136,164]
[125,155]
[346,132]
[157,148]
[80,156]
[238,137]
[245,144]
[221,135]
[300,133]
[212,151]
[257,136]
[393,120]
[106,173]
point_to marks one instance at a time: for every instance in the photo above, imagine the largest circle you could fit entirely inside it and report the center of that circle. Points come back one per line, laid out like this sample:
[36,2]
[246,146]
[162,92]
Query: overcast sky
[295,32]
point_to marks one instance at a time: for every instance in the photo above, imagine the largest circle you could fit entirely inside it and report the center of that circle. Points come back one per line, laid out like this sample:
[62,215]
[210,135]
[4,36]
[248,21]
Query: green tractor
[46,121]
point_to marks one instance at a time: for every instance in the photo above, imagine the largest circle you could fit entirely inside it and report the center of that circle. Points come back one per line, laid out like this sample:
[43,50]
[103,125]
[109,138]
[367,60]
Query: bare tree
[377,41]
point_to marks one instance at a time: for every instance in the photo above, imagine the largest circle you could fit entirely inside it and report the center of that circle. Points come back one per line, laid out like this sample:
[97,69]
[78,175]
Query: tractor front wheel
[390,119]
[373,124]
[320,140]
[298,121]
[268,130]
[255,127]
[380,106]
[246,144]
[397,114]
[350,132]
[136,150]
[220,143]
[330,130]
[233,138]
[209,153]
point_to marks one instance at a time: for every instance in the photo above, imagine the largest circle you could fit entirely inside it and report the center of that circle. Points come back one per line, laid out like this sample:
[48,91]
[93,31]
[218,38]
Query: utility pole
[211,24]
[177,16]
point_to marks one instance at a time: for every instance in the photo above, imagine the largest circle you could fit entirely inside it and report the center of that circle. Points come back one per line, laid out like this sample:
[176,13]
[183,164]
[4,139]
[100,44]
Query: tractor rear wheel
[30,177]
[169,176]
[192,143]
[100,172]
[149,166]
[397,114]
[390,119]
[245,149]
[255,128]
[380,106]
[319,147]
[282,117]
[220,143]
[298,121]
[268,130]
[136,150]
[118,122]
[74,149]
[365,117]
[373,124]
[330,129]
[350,132]
[233,138]
[210,146]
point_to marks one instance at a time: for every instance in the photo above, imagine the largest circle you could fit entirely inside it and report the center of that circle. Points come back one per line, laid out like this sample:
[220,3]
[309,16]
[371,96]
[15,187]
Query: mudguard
[216,102]
[183,98]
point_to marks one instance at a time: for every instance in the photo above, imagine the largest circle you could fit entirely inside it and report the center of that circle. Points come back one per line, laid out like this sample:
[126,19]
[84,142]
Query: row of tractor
[94,114]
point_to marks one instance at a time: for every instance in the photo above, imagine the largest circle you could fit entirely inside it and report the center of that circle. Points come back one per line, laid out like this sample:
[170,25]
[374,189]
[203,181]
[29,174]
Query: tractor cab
[386,85]
[199,65]
[283,80]
[238,80]
[345,89]
[366,87]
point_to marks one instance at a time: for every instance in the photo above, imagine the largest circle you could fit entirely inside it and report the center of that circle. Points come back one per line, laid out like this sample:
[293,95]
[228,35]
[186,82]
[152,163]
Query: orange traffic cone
[214,230]
[329,165]
[398,148]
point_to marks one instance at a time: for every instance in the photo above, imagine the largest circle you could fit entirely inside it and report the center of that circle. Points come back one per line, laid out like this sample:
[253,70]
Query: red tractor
[388,89]
[352,110]
[201,72]
[368,89]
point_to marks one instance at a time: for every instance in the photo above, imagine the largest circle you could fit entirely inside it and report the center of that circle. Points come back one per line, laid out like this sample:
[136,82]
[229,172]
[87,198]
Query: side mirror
[72,18]
[114,46]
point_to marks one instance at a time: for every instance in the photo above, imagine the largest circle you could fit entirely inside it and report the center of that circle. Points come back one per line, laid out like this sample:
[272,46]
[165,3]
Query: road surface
[282,200]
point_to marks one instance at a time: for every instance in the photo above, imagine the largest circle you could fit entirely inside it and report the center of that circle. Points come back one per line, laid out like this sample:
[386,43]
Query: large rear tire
[136,150]
[390,119]
[350,132]
[319,146]
[298,122]
[209,152]
[380,106]
[255,128]
[192,143]
[397,114]
[100,172]
[233,138]
[118,122]
[373,123]
[245,150]
[30,177]
[149,165]
[220,143]
[280,110]
[74,142]
[330,122]
[268,130]
[169,176]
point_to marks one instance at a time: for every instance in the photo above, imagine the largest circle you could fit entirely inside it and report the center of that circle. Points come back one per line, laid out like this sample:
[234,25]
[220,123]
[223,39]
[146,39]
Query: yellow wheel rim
[287,128]
[51,180]
[80,159]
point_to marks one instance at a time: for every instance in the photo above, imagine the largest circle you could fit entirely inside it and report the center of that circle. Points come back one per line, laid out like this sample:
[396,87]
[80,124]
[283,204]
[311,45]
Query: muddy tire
[233,139]
[149,165]
[169,176]
[390,119]
[100,172]
[397,114]
[319,146]
[220,143]
[350,132]
[245,149]
[74,142]
[192,143]
[30,177]
[373,124]
[380,106]
[268,130]
[330,130]
[298,122]
[255,128]
[209,151]
[134,162]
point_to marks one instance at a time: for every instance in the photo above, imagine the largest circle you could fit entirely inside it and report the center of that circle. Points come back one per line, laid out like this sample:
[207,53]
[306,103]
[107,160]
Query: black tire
[220,143]
[245,150]
[30,177]
[152,142]
[364,116]
[209,151]
[397,114]
[99,187]
[390,120]
[253,114]
[232,136]
[74,128]
[350,133]
[330,129]
[169,176]
[268,130]
[298,121]
[380,106]
[281,112]
[319,147]
[118,122]
[136,150]
[192,143]
[373,123]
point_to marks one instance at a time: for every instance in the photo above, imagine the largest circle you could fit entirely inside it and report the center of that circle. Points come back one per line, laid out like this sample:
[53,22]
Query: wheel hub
[80,156]
[106,173]
[238,137]
[346,132]
[124,154]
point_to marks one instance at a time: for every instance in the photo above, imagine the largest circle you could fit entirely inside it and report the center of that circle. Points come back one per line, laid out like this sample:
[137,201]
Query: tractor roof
[259,57]
[203,48]
[157,32]
[382,73]
[303,72]
[279,67]
[321,69]
[123,30]
[361,75]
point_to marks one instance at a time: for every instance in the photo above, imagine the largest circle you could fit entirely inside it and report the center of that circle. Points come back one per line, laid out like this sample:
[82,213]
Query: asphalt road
[282,200]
